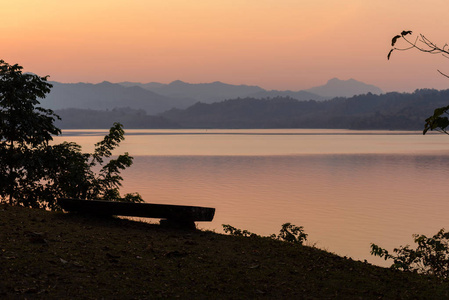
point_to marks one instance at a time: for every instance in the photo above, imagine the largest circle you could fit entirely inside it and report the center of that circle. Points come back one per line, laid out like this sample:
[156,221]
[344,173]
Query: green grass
[51,255]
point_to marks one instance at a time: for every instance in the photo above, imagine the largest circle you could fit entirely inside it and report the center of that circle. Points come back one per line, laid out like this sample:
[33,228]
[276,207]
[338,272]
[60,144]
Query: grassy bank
[56,255]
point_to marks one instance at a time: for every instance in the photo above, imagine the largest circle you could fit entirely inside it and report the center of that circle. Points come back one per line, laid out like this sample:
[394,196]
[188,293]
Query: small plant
[238,232]
[431,256]
[288,233]
[292,234]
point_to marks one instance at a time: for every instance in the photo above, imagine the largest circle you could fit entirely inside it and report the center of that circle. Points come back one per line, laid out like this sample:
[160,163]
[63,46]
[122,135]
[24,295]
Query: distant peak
[344,88]
[337,80]
[177,82]
[106,83]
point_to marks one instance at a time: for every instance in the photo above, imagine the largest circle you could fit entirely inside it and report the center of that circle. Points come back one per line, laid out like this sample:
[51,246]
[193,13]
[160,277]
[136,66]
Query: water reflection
[266,142]
[347,190]
[345,202]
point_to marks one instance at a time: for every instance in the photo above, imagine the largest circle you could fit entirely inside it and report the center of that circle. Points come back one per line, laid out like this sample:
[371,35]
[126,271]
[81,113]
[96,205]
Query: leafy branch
[421,43]
[430,257]
[289,233]
[71,172]
[439,120]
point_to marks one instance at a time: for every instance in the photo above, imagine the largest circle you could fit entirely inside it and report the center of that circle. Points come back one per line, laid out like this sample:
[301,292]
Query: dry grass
[58,256]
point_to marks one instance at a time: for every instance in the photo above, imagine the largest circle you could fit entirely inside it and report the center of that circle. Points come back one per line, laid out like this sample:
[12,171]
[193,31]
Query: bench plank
[146,210]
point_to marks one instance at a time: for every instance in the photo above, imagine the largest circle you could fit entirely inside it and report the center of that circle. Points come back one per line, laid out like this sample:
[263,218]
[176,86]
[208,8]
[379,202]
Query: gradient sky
[276,44]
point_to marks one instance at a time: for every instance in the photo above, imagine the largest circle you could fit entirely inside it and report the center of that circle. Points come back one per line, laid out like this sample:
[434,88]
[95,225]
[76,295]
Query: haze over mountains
[155,98]
[346,104]
[107,96]
[344,88]
[218,91]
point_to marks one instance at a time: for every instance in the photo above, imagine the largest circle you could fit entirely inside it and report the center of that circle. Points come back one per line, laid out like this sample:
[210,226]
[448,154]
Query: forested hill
[386,111]
[394,111]
[76,118]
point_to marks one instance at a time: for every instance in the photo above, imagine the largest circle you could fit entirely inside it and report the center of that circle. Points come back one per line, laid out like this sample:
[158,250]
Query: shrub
[431,255]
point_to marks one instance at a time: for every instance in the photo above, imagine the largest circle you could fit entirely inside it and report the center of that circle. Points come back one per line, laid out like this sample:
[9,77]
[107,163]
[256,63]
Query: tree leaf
[393,41]
[403,33]
[389,54]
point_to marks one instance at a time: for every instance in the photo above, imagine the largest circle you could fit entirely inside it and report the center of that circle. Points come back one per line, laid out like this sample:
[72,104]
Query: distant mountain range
[107,96]
[217,91]
[200,92]
[155,98]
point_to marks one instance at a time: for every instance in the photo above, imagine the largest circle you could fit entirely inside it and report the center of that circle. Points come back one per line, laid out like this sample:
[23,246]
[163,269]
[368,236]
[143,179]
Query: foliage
[439,120]
[291,233]
[34,173]
[25,129]
[71,174]
[288,233]
[430,257]
[238,232]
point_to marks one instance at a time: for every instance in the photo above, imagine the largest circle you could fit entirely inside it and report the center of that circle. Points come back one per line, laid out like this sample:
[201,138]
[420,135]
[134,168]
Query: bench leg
[185,224]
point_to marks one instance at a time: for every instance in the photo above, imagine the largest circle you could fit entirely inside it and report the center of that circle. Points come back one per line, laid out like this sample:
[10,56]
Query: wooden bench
[180,215]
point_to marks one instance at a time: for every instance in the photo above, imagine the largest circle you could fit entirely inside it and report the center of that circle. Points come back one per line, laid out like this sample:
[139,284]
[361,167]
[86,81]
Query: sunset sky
[276,44]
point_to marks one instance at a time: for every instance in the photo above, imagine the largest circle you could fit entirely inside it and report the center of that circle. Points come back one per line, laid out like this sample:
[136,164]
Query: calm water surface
[347,188]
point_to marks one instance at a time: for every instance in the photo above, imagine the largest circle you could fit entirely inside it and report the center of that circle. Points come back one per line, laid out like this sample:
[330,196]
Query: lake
[347,188]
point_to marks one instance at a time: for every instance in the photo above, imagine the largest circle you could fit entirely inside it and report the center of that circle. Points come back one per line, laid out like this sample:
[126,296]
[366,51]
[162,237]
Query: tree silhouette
[439,120]
[34,173]
[25,129]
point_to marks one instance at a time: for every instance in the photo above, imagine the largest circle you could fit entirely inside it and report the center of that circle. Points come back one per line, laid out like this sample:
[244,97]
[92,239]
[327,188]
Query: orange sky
[276,44]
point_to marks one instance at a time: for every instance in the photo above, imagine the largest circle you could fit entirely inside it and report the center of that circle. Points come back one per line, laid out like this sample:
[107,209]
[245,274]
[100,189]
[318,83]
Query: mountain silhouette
[344,88]
[155,98]
[218,91]
[106,96]
[203,92]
